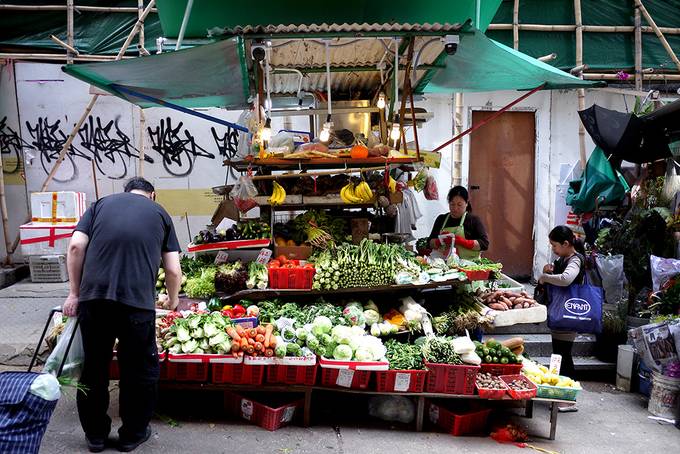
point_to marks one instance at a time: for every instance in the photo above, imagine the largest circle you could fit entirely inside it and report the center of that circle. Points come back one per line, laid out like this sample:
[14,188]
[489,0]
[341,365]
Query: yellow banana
[393,185]
[351,195]
[343,196]
[278,195]
[368,193]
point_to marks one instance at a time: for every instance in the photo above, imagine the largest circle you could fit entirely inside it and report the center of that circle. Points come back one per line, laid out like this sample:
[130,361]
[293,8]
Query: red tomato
[274,263]
[282,258]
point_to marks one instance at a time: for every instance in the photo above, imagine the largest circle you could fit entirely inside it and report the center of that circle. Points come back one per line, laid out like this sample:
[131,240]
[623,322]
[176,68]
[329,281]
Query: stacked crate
[44,240]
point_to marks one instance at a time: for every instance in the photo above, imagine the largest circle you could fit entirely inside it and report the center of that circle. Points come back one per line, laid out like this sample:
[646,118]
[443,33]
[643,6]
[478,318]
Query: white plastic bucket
[664,396]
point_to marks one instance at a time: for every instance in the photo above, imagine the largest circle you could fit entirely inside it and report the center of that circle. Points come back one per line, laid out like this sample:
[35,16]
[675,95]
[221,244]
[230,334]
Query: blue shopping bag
[577,307]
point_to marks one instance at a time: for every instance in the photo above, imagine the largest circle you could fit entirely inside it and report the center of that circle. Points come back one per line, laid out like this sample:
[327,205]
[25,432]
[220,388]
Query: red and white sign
[41,239]
[66,207]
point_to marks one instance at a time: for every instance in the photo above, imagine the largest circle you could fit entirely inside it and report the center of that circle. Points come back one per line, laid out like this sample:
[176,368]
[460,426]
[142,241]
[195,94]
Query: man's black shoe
[127,446]
[95,444]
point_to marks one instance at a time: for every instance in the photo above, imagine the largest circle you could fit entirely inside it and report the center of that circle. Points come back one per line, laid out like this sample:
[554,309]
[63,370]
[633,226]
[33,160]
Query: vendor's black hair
[461,192]
[562,233]
[139,184]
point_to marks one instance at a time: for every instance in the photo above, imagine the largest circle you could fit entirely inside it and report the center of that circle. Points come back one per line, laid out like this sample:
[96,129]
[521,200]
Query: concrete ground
[608,421]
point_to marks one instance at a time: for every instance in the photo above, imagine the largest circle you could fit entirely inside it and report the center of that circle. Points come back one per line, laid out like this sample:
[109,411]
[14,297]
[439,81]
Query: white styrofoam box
[41,239]
[48,268]
[57,207]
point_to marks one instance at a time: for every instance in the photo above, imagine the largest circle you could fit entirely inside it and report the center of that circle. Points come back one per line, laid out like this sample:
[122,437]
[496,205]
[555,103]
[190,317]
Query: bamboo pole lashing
[659,33]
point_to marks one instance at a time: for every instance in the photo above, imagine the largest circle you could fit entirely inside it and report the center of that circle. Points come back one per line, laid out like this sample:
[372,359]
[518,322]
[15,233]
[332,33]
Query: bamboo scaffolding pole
[549,57]
[94,180]
[457,151]
[515,25]
[135,29]
[659,33]
[586,28]
[402,109]
[142,128]
[581,92]
[316,174]
[58,57]
[98,9]
[5,217]
[638,50]
[656,76]
[69,31]
[68,47]
[140,11]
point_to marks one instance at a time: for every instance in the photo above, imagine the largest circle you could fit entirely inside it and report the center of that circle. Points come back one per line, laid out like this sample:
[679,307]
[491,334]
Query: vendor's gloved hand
[435,243]
[462,242]
[447,240]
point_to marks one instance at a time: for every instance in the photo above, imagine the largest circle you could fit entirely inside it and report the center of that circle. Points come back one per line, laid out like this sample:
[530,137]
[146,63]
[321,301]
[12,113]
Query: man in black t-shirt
[113,261]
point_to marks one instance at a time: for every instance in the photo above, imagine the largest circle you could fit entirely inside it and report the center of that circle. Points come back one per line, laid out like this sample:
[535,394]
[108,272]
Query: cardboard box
[293,252]
[45,239]
[65,207]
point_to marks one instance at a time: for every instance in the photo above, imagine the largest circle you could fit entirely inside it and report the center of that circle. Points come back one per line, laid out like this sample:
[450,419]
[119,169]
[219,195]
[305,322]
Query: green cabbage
[342,353]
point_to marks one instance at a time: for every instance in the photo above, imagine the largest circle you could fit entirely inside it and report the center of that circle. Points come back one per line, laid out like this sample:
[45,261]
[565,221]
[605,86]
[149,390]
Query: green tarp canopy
[211,75]
[482,64]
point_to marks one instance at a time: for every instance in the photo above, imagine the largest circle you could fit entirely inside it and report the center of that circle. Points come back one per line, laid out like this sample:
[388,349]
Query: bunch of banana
[356,193]
[278,195]
[393,185]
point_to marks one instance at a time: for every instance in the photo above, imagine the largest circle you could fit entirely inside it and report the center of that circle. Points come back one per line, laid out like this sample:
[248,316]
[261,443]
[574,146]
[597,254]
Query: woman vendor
[467,229]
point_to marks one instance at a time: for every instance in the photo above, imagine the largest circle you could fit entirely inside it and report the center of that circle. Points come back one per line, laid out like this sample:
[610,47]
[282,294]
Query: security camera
[258,51]
[451,44]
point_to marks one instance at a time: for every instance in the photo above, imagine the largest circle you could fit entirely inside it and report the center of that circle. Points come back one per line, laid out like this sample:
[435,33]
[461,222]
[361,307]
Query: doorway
[501,184]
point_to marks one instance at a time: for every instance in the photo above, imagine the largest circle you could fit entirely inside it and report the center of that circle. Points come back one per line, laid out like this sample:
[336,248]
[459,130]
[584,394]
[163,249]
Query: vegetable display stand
[188,367]
[269,411]
[492,394]
[519,394]
[233,371]
[457,422]
[293,371]
[451,379]
[349,374]
[405,381]
[501,369]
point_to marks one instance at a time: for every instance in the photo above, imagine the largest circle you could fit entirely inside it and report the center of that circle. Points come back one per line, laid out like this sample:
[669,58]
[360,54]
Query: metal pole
[185,21]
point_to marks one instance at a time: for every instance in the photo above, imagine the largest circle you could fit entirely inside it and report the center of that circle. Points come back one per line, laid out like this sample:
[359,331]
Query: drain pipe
[185,21]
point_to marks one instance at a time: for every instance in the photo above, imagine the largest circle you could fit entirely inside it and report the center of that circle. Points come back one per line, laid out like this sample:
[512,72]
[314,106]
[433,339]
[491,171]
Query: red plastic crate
[288,278]
[114,368]
[451,379]
[458,422]
[293,371]
[486,393]
[501,369]
[188,371]
[269,411]
[520,395]
[405,381]
[478,275]
[237,374]
[345,378]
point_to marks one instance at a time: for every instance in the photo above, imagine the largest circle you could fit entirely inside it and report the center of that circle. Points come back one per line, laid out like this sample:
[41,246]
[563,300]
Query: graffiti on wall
[104,144]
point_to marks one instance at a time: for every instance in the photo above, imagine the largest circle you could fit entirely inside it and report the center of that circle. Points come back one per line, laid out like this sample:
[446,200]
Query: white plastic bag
[662,270]
[74,354]
[392,408]
[243,194]
[613,277]
[672,182]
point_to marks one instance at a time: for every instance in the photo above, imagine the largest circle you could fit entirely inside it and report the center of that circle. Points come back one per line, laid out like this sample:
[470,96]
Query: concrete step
[541,344]
[581,363]
[524,328]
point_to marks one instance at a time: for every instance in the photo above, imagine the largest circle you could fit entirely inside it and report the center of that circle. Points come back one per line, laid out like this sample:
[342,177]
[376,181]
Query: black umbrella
[626,136]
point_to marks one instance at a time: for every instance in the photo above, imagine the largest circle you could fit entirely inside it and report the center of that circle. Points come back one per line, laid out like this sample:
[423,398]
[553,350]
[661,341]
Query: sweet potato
[497,306]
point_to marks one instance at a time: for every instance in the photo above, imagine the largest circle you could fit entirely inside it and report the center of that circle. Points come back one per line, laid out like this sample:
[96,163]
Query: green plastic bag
[600,182]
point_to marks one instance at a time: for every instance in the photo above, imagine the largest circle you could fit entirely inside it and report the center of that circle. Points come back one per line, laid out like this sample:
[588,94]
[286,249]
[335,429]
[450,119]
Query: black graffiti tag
[10,146]
[116,152]
[178,154]
[48,139]
[228,143]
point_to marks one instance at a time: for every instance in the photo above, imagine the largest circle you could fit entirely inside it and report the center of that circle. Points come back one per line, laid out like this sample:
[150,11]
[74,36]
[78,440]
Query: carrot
[251,341]
[244,343]
[272,342]
[250,349]
[254,354]
[235,346]
[252,333]
[261,329]
[259,347]
[268,334]
[233,334]
[241,332]
[268,352]
[259,338]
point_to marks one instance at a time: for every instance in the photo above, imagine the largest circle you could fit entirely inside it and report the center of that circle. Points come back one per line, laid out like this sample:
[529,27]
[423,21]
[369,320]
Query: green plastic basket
[557,392]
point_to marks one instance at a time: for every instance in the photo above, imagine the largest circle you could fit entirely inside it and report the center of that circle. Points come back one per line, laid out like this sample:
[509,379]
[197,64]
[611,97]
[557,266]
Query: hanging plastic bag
[662,270]
[613,278]
[672,183]
[73,364]
[243,194]
[431,192]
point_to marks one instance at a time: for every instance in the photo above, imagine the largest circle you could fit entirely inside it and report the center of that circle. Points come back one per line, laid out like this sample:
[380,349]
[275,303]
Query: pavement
[608,421]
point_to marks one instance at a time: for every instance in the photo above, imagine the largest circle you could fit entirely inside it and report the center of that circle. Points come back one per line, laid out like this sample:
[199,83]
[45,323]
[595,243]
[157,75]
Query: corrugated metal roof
[334,28]
[310,55]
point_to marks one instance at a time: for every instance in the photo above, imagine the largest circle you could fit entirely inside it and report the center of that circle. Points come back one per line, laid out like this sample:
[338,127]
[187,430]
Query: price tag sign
[288,414]
[345,377]
[402,382]
[555,364]
[222,257]
[246,408]
[264,256]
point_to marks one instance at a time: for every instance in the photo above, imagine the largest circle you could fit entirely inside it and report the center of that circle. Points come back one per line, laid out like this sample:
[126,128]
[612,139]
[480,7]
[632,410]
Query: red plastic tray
[292,375]
[410,381]
[270,412]
[520,395]
[486,393]
[458,423]
[197,372]
[478,275]
[501,369]
[237,374]
[451,379]
[359,379]
[287,278]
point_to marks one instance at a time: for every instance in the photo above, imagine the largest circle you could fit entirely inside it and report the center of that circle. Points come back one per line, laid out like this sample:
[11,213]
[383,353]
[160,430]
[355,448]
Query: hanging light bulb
[381,101]
[325,134]
[266,132]
[395,133]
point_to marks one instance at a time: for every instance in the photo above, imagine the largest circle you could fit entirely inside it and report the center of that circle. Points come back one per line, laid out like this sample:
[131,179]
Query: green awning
[211,15]
[482,64]
[211,75]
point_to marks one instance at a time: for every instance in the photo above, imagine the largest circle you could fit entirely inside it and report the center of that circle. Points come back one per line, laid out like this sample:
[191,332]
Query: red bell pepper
[239,311]
[228,313]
